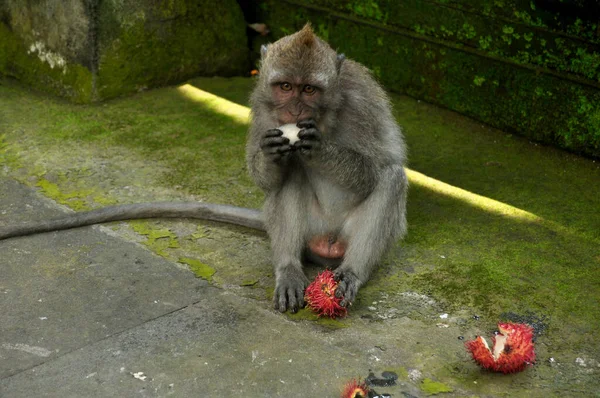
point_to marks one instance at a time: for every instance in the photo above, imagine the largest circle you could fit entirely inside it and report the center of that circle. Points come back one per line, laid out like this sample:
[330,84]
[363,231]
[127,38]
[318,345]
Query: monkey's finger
[349,297]
[274,141]
[306,147]
[273,133]
[310,134]
[306,124]
[308,138]
[303,144]
[280,300]
[277,150]
[276,153]
[341,289]
[346,292]
[292,300]
[278,157]
[300,296]
[348,285]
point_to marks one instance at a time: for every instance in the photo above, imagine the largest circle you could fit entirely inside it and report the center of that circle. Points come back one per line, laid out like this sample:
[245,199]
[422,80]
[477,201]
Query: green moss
[50,189]
[401,371]
[202,149]
[171,34]
[391,279]
[305,314]
[450,43]
[9,153]
[73,80]
[269,292]
[545,262]
[200,233]
[104,201]
[516,37]
[366,8]
[74,199]
[200,269]
[173,48]
[431,387]
[157,239]
[493,262]
[478,80]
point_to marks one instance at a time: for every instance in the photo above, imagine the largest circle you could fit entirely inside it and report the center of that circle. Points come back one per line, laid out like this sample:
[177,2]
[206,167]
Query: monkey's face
[298,75]
[295,100]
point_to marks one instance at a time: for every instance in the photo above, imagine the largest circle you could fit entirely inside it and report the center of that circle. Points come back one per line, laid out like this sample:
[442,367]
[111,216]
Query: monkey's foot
[348,285]
[289,289]
[327,246]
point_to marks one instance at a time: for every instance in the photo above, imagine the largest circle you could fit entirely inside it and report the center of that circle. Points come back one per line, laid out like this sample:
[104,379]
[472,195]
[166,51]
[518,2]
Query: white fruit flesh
[290,131]
[499,345]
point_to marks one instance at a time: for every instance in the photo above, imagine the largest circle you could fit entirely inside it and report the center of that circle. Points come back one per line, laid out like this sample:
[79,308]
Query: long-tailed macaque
[339,192]
[337,196]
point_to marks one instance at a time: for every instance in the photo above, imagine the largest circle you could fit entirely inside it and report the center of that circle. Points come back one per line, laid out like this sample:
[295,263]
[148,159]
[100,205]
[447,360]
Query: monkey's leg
[287,225]
[370,229]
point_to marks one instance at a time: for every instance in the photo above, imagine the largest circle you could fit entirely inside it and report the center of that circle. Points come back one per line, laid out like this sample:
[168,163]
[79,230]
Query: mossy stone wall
[532,67]
[88,50]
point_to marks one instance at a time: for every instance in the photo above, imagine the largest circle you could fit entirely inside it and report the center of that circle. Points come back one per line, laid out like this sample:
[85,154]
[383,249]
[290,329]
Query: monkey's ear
[263,50]
[340,61]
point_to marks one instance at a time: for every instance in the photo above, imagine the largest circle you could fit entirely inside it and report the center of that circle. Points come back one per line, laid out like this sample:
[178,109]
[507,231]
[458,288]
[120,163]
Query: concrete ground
[85,313]
[182,308]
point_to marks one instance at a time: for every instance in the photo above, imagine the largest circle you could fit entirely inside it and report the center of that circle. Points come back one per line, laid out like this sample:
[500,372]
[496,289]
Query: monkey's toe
[289,290]
[348,286]
[292,299]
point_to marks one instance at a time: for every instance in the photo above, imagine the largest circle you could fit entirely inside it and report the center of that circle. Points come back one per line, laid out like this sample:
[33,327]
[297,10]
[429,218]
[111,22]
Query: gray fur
[205,211]
[350,181]
[345,176]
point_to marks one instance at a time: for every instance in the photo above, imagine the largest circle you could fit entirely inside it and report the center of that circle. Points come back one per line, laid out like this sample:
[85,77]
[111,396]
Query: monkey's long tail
[205,211]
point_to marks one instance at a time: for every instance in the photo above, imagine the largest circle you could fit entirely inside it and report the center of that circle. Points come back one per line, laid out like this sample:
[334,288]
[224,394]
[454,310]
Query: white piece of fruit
[290,131]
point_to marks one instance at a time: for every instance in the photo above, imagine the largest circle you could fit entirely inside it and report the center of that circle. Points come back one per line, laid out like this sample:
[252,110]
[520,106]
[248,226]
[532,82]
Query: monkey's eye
[308,89]
[285,86]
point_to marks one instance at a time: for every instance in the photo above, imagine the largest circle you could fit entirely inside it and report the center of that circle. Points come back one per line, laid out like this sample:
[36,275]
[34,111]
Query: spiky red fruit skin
[355,389]
[320,296]
[481,354]
[518,353]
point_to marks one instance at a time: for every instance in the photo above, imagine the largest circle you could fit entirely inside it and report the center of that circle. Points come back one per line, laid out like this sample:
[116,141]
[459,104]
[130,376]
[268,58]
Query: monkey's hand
[289,289]
[309,138]
[348,285]
[274,145]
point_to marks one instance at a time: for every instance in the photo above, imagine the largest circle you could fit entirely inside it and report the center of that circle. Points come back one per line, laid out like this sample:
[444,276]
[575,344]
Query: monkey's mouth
[287,117]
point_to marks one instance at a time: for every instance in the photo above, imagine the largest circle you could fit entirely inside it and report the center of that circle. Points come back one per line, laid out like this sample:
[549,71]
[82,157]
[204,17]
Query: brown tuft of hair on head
[306,36]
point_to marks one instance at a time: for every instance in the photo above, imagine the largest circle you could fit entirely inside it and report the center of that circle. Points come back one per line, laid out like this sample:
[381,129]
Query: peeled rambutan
[320,296]
[513,349]
[355,389]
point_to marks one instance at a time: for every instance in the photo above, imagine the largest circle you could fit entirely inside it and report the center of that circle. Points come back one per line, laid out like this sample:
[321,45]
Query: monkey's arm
[267,167]
[348,168]
[206,211]
[351,167]
[266,174]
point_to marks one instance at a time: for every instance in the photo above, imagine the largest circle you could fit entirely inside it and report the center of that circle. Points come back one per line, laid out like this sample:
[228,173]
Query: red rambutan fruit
[320,296]
[355,389]
[513,349]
